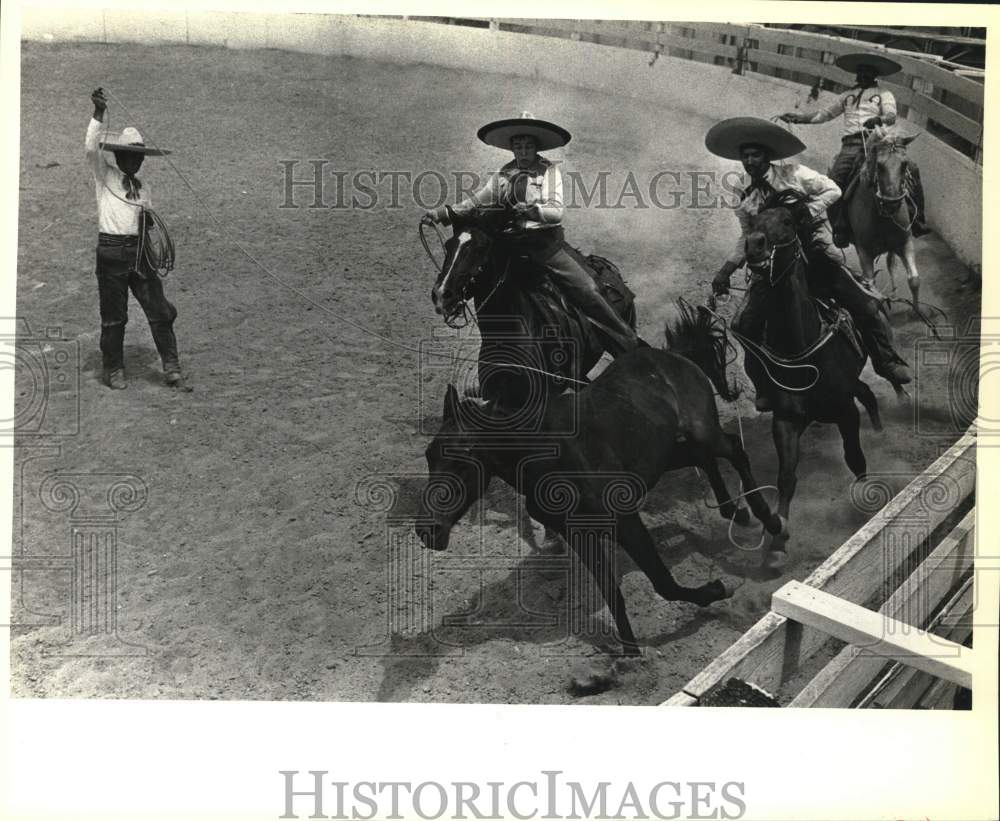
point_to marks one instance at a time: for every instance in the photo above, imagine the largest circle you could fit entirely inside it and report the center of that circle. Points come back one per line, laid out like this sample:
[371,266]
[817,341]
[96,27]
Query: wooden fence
[902,638]
[947,104]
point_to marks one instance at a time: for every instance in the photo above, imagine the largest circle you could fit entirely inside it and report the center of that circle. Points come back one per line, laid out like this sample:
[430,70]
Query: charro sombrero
[726,138]
[882,66]
[547,135]
[131,140]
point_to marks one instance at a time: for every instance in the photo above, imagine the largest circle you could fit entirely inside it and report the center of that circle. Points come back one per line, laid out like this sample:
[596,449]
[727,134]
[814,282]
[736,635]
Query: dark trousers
[116,276]
[546,249]
[828,277]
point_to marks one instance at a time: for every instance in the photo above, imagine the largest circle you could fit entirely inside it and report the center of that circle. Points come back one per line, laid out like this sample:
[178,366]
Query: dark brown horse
[532,341]
[881,211]
[813,361]
[587,464]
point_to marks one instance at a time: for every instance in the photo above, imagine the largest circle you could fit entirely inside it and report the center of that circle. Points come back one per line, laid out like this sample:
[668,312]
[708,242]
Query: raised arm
[91,142]
[835,109]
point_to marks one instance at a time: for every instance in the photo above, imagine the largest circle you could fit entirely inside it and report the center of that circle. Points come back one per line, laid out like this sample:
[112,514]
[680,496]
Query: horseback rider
[530,188]
[758,143]
[863,106]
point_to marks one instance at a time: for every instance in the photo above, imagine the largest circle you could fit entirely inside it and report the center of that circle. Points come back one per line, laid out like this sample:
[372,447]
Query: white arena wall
[953,182]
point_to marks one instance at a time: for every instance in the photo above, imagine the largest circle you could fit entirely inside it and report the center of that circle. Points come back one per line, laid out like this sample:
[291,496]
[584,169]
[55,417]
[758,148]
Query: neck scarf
[132,185]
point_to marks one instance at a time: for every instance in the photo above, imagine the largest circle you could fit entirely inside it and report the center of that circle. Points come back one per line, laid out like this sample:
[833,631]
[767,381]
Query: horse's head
[696,334]
[885,167]
[777,225]
[457,476]
[466,256]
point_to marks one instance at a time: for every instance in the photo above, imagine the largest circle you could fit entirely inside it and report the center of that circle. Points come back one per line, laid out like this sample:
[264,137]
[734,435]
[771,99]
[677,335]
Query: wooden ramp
[905,642]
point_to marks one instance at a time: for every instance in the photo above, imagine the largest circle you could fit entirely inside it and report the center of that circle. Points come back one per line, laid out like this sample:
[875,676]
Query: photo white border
[151,759]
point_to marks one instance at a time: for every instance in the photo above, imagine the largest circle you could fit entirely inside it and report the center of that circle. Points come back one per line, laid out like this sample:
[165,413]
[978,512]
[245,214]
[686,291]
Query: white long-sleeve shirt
[115,213]
[543,189]
[821,191]
[858,105]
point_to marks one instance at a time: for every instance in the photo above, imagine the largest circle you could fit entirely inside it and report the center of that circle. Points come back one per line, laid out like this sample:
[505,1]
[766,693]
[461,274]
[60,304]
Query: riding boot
[841,227]
[878,339]
[919,227]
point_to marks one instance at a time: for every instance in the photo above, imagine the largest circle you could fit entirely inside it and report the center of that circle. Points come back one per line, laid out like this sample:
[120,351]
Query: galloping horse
[649,412]
[521,315]
[813,360]
[881,211]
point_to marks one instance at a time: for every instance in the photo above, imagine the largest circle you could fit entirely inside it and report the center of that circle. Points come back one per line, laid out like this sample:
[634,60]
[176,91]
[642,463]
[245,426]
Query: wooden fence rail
[775,650]
[948,104]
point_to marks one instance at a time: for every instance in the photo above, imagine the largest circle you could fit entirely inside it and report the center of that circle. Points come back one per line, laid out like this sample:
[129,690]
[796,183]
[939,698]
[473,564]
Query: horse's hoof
[778,526]
[552,545]
[742,517]
[775,559]
[729,587]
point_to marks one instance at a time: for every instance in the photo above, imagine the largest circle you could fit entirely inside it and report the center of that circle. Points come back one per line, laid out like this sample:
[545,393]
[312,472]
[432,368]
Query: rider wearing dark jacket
[757,143]
[530,188]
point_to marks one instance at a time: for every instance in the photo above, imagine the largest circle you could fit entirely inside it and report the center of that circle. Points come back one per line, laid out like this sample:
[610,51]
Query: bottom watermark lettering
[316,794]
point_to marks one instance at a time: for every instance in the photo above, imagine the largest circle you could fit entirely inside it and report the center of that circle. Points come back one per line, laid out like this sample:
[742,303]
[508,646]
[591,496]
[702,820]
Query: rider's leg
[919,227]
[841,172]
[579,287]
[749,322]
[863,305]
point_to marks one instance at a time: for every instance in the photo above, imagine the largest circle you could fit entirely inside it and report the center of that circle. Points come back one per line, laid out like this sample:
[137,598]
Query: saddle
[606,275]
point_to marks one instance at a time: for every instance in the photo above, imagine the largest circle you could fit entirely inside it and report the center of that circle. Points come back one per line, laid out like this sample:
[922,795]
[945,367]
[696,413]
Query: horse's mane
[789,198]
[794,201]
[696,329]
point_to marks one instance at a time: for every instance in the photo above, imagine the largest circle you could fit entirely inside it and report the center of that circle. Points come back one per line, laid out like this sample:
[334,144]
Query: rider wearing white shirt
[862,106]
[530,188]
[756,142]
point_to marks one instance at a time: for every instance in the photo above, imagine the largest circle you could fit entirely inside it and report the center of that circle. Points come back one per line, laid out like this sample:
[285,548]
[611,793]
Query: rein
[769,262]
[888,207]
[427,248]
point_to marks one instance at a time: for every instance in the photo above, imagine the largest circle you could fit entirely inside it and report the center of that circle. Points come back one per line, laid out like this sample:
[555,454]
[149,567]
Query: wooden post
[876,632]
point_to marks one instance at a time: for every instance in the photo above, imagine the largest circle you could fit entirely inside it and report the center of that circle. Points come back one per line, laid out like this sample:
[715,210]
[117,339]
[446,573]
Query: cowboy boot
[838,222]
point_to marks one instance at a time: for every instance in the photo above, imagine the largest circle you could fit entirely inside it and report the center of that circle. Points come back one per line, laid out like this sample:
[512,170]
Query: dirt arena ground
[263,563]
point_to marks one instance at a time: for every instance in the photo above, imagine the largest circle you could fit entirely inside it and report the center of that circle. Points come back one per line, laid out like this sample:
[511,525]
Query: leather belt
[117,239]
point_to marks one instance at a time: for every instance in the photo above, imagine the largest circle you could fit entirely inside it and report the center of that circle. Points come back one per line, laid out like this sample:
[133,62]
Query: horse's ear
[908,140]
[450,403]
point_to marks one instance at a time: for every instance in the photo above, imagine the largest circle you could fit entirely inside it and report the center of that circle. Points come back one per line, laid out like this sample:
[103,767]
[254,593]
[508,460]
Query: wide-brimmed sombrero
[131,140]
[882,66]
[726,138]
[547,135]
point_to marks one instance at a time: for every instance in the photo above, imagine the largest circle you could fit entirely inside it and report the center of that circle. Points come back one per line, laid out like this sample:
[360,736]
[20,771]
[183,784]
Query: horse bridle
[881,200]
[461,316]
[769,262]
